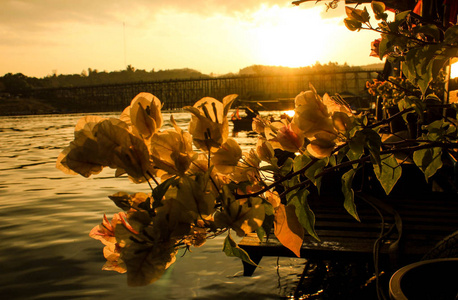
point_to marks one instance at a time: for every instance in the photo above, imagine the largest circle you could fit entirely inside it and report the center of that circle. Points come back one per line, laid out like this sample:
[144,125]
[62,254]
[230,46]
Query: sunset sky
[39,38]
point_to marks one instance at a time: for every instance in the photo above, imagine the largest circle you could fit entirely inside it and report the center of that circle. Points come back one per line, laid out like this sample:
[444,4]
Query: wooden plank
[426,220]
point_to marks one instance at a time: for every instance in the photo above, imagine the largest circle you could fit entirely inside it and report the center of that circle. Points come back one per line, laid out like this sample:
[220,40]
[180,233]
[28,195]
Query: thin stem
[277,182]
[209,153]
[152,177]
[388,120]
[405,36]
[150,186]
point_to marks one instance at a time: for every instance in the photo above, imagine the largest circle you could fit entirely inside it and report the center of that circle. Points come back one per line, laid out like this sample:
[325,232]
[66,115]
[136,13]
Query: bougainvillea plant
[203,185]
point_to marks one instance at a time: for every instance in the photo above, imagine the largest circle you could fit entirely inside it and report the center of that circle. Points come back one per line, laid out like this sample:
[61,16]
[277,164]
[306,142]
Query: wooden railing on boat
[412,227]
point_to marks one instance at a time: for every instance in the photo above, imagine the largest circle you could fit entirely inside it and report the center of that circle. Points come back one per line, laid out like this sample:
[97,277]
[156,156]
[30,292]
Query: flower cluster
[205,185]
[317,126]
[391,91]
[202,183]
[191,170]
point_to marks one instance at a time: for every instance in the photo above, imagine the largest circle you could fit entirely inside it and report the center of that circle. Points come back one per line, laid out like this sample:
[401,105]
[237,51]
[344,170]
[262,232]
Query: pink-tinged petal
[107,223]
[127,225]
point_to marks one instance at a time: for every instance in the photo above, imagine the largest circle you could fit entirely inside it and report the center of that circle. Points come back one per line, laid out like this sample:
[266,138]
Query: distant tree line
[317,67]
[20,84]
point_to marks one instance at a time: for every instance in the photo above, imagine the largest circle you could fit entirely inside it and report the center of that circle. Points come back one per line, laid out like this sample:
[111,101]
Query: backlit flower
[265,150]
[227,156]
[82,155]
[101,142]
[105,233]
[322,144]
[209,126]
[243,216]
[311,114]
[247,168]
[285,136]
[375,48]
[341,115]
[144,115]
[259,125]
[122,150]
[171,150]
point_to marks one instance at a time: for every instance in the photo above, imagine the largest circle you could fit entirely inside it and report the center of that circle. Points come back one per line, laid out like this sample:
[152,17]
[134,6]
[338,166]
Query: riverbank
[14,106]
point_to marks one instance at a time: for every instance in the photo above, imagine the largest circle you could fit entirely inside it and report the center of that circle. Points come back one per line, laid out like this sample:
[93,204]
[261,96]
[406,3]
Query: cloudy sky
[42,37]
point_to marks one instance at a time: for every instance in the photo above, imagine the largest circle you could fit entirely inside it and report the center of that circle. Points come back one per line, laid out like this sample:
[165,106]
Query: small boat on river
[243,123]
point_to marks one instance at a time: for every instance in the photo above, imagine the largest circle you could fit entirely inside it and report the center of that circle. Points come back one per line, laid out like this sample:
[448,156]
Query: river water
[46,215]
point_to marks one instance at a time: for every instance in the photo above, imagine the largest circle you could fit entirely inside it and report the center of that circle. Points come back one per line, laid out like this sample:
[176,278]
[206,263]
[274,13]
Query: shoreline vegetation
[22,106]
[15,87]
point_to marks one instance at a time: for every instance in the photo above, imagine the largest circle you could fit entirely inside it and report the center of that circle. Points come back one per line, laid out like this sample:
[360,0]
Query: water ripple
[46,216]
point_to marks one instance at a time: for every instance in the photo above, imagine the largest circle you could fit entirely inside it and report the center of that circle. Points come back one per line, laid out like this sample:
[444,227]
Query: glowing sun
[290,36]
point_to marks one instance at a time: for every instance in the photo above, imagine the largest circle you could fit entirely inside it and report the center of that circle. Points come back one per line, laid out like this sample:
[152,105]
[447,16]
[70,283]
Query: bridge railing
[178,93]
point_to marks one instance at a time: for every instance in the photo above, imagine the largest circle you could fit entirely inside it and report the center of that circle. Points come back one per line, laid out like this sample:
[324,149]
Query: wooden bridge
[178,93]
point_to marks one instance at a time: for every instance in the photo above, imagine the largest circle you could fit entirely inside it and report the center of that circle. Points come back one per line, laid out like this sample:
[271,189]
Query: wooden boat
[242,124]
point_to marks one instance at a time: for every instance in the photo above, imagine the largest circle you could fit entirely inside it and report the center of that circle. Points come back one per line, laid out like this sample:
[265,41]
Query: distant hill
[19,84]
[373,66]
[280,70]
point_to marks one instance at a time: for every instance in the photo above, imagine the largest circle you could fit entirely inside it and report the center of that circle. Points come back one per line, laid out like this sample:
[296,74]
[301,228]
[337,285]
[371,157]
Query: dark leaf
[349,195]
[231,248]
[303,212]
[388,172]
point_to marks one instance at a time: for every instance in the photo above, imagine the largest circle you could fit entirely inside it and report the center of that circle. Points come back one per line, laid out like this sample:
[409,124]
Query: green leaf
[337,158]
[121,199]
[352,25]
[287,167]
[373,144]
[452,132]
[360,15]
[378,7]
[436,130]
[379,10]
[261,233]
[159,191]
[268,208]
[384,47]
[231,248]
[349,195]
[418,65]
[388,173]
[268,224]
[356,145]
[455,107]
[401,16]
[303,160]
[300,161]
[428,160]
[451,35]
[411,102]
[430,30]
[366,138]
[304,214]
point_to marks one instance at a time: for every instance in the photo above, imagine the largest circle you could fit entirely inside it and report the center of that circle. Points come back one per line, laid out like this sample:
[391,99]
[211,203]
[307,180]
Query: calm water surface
[45,218]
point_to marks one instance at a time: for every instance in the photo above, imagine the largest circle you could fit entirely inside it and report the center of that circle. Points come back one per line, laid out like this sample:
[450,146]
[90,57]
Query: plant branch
[432,144]
[277,182]
[388,120]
